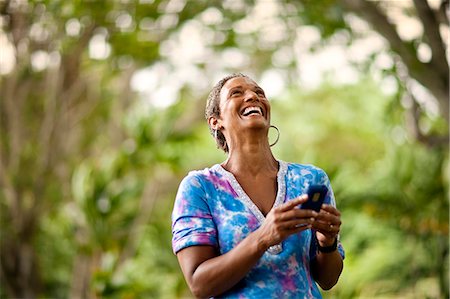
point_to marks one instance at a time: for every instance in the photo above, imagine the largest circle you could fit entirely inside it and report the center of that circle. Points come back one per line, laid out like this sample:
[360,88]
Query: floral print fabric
[212,209]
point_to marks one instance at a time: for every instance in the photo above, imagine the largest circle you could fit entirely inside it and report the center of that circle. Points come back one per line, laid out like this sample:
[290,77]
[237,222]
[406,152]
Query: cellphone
[316,196]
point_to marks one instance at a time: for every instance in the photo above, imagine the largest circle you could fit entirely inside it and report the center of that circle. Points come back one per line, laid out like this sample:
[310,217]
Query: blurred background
[102,106]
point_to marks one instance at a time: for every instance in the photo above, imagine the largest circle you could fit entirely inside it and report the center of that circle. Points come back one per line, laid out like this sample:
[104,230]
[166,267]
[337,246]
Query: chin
[259,125]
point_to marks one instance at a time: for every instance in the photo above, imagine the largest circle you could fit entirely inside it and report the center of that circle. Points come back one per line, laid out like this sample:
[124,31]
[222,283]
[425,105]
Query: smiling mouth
[253,110]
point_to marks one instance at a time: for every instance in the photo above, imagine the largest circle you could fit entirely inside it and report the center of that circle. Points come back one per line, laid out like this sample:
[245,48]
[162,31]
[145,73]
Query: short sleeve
[329,199]
[192,222]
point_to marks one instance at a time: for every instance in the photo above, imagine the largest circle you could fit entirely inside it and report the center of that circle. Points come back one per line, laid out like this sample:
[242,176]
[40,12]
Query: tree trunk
[81,277]
[19,268]
[434,75]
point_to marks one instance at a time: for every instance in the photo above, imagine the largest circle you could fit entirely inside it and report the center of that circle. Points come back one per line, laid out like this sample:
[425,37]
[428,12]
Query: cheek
[268,108]
[228,109]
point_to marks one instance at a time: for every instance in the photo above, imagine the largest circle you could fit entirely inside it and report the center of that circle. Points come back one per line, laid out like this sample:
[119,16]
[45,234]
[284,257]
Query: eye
[260,92]
[236,92]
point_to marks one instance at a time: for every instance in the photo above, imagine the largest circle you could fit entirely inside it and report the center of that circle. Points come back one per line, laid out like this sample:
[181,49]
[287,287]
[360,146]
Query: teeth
[249,110]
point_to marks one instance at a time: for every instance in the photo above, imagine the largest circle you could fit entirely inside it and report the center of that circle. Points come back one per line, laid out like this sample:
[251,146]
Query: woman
[238,231]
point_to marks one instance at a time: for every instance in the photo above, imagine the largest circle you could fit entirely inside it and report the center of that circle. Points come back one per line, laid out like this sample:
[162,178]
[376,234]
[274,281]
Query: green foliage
[326,15]
[392,192]
[104,176]
[57,250]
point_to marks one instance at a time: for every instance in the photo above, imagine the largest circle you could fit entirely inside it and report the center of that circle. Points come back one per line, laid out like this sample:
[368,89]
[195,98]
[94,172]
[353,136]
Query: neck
[251,157]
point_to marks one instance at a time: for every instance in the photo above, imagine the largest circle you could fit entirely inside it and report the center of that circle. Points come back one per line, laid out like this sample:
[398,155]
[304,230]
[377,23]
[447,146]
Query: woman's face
[243,104]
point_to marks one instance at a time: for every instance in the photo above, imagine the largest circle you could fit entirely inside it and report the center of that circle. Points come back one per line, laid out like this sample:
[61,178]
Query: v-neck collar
[281,192]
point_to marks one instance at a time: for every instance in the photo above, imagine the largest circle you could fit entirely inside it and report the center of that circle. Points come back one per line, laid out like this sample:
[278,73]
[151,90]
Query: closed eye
[235,92]
[260,92]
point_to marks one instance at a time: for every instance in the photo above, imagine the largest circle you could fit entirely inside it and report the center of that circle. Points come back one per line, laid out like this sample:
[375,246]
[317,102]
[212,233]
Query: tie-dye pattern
[209,211]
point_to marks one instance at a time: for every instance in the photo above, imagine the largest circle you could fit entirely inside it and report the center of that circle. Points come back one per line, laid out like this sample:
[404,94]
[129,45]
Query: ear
[214,123]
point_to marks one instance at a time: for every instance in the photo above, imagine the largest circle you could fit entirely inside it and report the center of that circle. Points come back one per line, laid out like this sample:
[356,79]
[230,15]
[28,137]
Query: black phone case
[316,196]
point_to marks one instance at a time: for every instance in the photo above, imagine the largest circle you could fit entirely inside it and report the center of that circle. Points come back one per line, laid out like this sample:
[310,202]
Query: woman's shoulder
[197,176]
[305,169]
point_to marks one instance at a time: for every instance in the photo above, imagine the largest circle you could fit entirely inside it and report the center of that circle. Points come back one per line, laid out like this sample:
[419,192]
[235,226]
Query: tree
[65,92]
[434,74]
[384,16]
[52,106]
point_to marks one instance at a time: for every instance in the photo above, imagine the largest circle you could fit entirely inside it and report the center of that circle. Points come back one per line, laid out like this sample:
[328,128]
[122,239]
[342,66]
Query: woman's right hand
[285,220]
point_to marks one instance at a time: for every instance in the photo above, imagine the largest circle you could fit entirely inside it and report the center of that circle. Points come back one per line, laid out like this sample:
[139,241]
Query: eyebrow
[257,88]
[236,87]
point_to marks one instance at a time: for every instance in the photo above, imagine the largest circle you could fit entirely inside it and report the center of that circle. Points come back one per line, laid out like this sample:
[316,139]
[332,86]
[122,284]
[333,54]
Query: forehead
[238,81]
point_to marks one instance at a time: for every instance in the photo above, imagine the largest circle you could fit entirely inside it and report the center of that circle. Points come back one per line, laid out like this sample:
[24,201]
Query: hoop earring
[215,134]
[278,136]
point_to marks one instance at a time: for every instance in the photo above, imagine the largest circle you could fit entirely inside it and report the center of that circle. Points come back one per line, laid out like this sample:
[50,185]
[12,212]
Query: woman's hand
[327,225]
[327,267]
[285,220]
[209,273]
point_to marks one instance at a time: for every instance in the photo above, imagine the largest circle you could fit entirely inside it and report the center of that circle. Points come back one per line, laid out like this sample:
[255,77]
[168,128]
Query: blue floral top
[211,208]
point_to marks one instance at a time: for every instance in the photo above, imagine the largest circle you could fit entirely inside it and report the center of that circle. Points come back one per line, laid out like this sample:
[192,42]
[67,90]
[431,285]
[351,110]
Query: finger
[331,209]
[304,213]
[326,224]
[297,214]
[293,203]
[299,229]
[328,217]
[297,223]
[326,228]
[327,220]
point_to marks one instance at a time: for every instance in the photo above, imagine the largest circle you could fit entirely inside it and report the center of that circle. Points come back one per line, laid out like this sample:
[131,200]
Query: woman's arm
[209,274]
[327,267]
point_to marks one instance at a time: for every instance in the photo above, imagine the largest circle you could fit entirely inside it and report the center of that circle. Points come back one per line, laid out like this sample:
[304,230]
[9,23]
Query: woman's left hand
[327,225]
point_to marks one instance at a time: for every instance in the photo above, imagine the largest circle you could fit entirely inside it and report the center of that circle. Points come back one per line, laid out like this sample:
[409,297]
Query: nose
[251,96]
